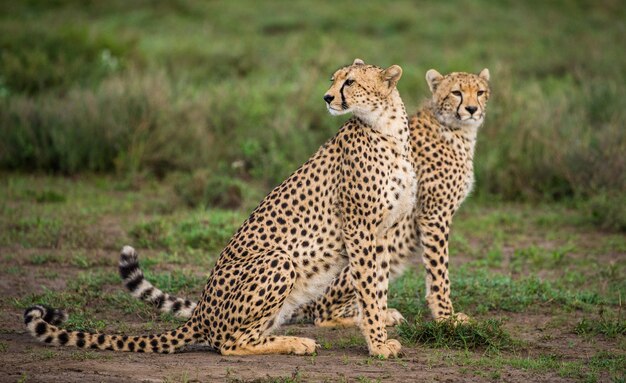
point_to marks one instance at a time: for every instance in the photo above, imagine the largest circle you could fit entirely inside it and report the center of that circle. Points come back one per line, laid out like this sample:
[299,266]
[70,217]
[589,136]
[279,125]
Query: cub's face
[459,99]
[360,89]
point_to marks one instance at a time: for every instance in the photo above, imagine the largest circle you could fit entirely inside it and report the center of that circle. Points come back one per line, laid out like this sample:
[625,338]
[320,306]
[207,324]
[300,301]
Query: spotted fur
[334,213]
[42,322]
[443,137]
[141,288]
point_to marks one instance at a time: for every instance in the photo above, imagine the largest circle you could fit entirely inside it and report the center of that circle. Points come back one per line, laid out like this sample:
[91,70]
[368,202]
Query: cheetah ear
[433,78]
[358,62]
[484,74]
[391,76]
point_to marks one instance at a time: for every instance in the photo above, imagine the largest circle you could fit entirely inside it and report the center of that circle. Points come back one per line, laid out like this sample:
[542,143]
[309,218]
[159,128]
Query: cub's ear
[433,78]
[484,74]
[392,75]
[358,62]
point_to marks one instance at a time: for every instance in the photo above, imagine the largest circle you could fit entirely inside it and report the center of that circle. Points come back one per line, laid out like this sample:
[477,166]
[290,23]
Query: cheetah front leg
[383,260]
[369,284]
[434,233]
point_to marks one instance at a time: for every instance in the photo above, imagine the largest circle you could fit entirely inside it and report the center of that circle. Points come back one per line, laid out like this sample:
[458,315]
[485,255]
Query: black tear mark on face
[344,104]
[459,94]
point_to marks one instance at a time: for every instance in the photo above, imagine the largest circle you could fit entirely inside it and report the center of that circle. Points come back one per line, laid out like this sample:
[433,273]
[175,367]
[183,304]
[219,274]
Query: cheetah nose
[328,98]
[471,109]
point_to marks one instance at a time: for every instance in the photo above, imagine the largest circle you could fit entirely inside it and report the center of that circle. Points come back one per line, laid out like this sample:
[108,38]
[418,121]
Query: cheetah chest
[400,192]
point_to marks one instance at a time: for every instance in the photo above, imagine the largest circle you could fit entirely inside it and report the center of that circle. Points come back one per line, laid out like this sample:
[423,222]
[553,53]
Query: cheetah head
[361,88]
[459,99]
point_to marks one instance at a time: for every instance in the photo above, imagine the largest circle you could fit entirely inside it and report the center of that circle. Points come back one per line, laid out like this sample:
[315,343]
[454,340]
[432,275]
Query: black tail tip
[47,313]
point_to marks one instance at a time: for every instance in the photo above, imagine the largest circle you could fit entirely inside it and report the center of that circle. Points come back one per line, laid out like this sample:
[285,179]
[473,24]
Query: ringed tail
[42,323]
[140,288]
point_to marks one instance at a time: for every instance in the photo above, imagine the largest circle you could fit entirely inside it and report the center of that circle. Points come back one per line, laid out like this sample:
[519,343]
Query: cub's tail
[42,321]
[140,288]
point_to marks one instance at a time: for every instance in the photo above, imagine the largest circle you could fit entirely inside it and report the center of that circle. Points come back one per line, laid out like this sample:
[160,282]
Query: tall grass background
[232,91]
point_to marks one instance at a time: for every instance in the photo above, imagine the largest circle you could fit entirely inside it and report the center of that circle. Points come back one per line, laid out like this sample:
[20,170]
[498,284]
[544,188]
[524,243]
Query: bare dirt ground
[348,365]
[37,268]
[25,359]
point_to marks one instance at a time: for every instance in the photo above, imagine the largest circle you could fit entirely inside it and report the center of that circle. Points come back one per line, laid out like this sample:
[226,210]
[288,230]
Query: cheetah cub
[334,213]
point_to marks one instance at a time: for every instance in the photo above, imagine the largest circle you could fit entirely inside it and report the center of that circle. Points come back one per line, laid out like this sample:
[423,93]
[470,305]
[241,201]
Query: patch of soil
[26,356]
[22,357]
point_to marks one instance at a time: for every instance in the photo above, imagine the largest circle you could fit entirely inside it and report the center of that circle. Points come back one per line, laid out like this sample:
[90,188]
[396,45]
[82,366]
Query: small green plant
[349,341]
[81,321]
[488,335]
[81,261]
[42,258]
[610,328]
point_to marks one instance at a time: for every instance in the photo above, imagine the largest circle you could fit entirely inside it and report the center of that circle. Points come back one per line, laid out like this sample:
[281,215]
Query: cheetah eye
[481,92]
[349,82]
[457,93]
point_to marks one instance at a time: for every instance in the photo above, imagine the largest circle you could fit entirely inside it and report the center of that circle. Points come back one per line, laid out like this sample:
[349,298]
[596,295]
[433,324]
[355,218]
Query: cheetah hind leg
[253,336]
[348,316]
[338,306]
[275,345]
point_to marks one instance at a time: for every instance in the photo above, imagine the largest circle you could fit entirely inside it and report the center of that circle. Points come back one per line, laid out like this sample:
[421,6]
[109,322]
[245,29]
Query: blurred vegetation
[232,90]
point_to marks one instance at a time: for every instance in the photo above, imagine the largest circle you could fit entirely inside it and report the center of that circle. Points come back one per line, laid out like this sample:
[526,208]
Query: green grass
[535,260]
[230,93]
[83,299]
[176,281]
[485,291]
[477,290]
[66,225]
[340,341]
[609,327]
[207,231]
[602,365]
[44,258]
[487,335]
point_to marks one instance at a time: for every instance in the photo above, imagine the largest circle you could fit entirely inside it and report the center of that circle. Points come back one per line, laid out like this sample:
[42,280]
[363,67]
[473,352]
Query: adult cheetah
[443,137]
[333,213]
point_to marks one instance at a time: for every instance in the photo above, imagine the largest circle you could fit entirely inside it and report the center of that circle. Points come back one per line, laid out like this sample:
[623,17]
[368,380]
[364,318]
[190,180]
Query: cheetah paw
[337,322]
[393,318]
[304,346]
[455,319]
[460,318]
[390,348]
